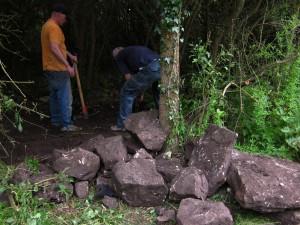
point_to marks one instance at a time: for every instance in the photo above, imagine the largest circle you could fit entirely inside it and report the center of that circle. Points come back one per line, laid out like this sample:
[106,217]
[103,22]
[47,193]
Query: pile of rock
[263,184]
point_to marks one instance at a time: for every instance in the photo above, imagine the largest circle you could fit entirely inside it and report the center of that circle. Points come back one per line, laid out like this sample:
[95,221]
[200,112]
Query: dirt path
[39,139]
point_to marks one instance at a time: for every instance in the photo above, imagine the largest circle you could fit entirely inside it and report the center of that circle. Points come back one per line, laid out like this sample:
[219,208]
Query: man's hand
[127,76]
[73,58]
[71,71]
[140,98]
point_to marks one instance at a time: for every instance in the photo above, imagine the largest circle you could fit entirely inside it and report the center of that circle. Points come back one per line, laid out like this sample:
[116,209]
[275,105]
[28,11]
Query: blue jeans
[136,85]
[60,97]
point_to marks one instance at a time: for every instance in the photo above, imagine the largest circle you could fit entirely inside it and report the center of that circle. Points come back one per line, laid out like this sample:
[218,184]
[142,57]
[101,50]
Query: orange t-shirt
[52,33]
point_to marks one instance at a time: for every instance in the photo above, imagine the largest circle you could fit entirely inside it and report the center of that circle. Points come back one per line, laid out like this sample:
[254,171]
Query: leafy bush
[202,102]
[264,109]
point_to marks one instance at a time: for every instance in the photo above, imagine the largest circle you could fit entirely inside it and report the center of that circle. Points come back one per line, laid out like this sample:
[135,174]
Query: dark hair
[59,7]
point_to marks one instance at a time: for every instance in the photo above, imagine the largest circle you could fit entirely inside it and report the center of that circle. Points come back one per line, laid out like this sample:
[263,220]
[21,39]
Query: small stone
[166,215]
[142,154]
[110,202]
[103,180]
[82,189]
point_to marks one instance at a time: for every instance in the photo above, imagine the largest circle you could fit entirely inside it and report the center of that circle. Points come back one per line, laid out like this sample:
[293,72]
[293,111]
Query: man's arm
[72,57]
[56,51]
[123,66]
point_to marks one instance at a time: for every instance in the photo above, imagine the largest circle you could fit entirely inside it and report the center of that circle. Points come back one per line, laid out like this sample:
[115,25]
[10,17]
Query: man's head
[59,13]
[116,51]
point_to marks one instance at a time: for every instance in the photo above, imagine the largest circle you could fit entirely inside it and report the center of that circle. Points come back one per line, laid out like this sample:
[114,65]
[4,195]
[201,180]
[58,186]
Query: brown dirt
[39,138]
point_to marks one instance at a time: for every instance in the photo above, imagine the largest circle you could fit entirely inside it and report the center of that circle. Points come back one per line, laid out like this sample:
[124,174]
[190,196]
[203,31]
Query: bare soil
[39,138]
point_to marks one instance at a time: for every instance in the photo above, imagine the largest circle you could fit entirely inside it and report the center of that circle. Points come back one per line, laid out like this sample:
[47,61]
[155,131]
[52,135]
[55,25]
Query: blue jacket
[132,58]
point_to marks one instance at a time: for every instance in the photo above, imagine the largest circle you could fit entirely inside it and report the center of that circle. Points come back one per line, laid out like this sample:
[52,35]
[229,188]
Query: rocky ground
[131,167]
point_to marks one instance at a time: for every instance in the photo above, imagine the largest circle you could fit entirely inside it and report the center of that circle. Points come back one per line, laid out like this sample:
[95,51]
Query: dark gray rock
[168,168]
[103,190]
[92,143]
[110,202]
[23,173]
[4,198]
[289,217]
[189,183]
[189,148]
[212,154]
[78,163]
[82,189]
[138,183]
[147,128]
[112,150]
[264,184]
[103,180]
[165,215]
[132,145]
[142,154]
[196,212]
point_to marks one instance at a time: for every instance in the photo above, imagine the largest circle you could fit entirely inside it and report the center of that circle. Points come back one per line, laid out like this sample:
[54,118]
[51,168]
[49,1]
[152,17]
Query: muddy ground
[39,138]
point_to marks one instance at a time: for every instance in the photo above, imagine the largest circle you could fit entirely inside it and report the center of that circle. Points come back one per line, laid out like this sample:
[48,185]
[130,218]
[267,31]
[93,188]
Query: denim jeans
[136,85]
[60,97]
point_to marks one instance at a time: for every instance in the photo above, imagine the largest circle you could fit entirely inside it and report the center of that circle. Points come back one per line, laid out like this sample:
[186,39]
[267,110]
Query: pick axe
[83,106]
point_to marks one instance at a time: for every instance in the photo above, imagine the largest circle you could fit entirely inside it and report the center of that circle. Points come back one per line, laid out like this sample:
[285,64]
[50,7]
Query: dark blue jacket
[132,58]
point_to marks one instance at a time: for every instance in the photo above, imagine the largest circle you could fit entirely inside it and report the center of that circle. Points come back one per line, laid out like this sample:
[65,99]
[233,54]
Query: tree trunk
[170,80]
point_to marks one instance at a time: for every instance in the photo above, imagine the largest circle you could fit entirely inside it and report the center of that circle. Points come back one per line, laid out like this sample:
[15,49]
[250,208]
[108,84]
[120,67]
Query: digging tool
[83,106]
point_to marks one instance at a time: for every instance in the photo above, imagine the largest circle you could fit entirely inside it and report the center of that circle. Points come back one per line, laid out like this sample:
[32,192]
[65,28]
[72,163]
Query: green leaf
[10,220]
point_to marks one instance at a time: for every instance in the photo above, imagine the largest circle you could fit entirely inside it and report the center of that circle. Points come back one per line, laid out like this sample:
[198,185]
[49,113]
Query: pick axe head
[85,112]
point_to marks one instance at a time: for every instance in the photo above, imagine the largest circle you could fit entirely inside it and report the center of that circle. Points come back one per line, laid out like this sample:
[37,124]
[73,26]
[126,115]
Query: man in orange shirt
[57,69]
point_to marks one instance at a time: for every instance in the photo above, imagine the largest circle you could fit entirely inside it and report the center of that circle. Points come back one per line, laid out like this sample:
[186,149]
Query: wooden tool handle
[83,106]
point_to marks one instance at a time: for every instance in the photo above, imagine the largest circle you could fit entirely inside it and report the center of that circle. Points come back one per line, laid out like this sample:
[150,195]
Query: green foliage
[270,109]
[202,102]
[32,164]
[92,214]
[171,11]
[264,110]
[253,147]
[292,131]
[27,209]
[251,218]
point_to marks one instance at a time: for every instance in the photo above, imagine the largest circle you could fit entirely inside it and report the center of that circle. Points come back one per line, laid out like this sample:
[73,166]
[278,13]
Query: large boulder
[189,148]
[196,212]
[77,163]
[92,143]
[212,154]
[132,143]
[190,183]
[264,184]
[168,168]
[147,128]
[112,150]
[138,183]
